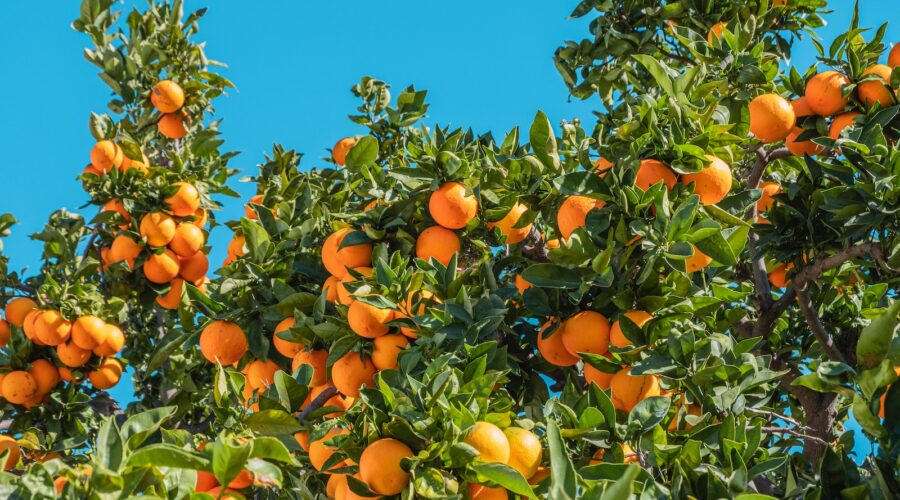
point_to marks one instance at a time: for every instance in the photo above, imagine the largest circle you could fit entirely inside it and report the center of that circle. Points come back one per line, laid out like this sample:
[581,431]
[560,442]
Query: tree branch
[792,432]
[818,329]
[319,402]
[534,246]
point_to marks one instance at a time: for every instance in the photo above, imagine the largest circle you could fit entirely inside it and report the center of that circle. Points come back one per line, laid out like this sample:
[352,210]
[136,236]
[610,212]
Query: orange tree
[689,299]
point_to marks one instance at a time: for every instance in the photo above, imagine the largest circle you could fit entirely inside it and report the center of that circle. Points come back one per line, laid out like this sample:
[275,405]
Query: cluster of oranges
[514,446]
[168,98]
[75,342]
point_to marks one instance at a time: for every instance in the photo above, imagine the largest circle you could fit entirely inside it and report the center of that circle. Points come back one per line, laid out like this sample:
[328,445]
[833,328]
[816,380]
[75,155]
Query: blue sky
[486,64]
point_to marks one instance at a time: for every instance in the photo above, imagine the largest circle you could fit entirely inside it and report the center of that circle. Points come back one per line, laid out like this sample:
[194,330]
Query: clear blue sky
[486,64]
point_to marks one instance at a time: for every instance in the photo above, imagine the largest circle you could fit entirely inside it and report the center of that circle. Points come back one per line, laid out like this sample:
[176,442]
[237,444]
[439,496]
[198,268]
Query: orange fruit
[106,375]
[541,474]
[387,350]
[823,93]
[71,355]
[287,348]
[876,91]
[894,56]
[689,409]
[771,117]
[595,376]
[238,246]
[801,108]
[335,481]
[344,295]
[508,223]
[172,298]
[552,348]
[551,244]
[697,261]
[408,308]
[801,148]
[5,331]
[317,359]
[491,443]
[185,201]
[525,451]
[18,387]
[142,165]
[261,374]
[225,493]
[113,343]
[205,481]
[59,483]
[167,96]
[778,276]
[124,249]
[715,31]
[521,283]
[201,217]
[118,207]
[52,328]
[193,268]
[628,390]
[840,122]
[573,213]
[224,341]
[29,328]
[17,308]
[12,446]
[652,172]
[188,240]
[302,438]
[45,375]
[450,207]
[320,452]
[249,212]
[66,374]
[379,466]
[161,268]
[769,189]
[617,338]
[341,148]
[330,288]
[437,242]
[88,331]
[352,371]
[172,126]
[602,165]
[586,331]
[367,320]
[242,480]
[482,492]
[712,183]
[628,454]
[336,259]
[106,155]
[158,229]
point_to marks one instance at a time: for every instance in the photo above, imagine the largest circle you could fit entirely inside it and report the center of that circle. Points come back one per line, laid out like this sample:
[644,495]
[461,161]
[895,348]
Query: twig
[319,402]
[818,329]
[534,247]
[770,414]
[792,432]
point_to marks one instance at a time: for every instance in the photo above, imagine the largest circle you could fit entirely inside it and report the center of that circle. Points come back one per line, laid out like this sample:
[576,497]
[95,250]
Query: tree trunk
[820,410]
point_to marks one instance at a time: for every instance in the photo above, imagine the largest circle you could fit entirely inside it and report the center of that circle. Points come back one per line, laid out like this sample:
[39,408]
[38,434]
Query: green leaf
[659,71]
[717,247]
[271,449]
[505,476]
[648,413]
[272,423]
[623,487]
[875,339]
[551,276]
[139,427]
[543,141]
[867,420]
[562,479]
[683,217]
[110,448]
[166,455]
[363,153]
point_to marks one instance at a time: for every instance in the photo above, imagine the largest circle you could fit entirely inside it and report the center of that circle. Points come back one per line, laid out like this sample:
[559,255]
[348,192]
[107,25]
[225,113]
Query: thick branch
[818,329]
[319,402]
[535,247]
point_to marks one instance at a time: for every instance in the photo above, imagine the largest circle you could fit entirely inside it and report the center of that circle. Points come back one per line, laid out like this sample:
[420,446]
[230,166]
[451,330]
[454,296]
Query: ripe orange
[689,409]
[193,268]
[302,438]
[113,343]
[778,276]
[261,374]
[344,295]
[801,108]
[525,451]
[52,328]
[602,165]
[172,298]
[249,212]
[185,201]
[5,331]
[66,374]
[124,249]
[521,283]
[118,207]
[243,480]
[71,355]
[341,148]
[801,148]
[573,212]
[552,348]
[840,122]
[352,371]
[18,387]
[437,242]
[715,31]
[330,288]
[225,493]
[335,482]
[823,93]
[9,444]
[482,492]
[238,246]
[617,338]
[141,165]
[628,390]
[106,155]
[158,229]
[29,328]
[508,223]
[172,126]
[450,207]
[320,452]
[188,240]
[712,183]
[876,91]
[17,309]
[205,481]
[697,261]
[595,376]
[769,189]
[379,466]
[423,299]
[771,117]
[653,171]
[894,56]
[45,375]
[628,455]
[223,341]
[106,375]
[201,217]
[317,359]
[287,348]
[161,267]
[369,321]
[167,96]
[387,350]
[336,259]
[491,443]
[586,331]
[88,332]
[551,244]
